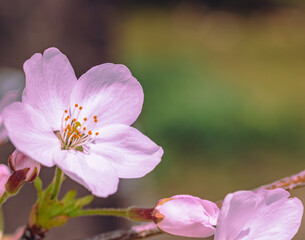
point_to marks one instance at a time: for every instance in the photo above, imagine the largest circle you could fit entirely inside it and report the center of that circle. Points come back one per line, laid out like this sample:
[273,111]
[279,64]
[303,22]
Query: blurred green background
[223,81]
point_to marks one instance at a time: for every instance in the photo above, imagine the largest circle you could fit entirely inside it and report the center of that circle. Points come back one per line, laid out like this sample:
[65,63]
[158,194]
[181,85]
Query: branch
[149,230]
[288,183]
[136,232]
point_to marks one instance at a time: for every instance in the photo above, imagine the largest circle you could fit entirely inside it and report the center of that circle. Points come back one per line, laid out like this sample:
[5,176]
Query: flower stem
[132,213]
[57,181]
[118,212]
[4,196]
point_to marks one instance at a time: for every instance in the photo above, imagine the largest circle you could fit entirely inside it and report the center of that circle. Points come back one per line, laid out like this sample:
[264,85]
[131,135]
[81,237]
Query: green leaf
[38,186]
[69,196]
[57,221]
[81,202]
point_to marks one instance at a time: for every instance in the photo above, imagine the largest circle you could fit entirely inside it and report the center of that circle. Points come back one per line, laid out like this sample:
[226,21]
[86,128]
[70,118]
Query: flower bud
[4,175]
[18,161]
[185,215]
[16,180]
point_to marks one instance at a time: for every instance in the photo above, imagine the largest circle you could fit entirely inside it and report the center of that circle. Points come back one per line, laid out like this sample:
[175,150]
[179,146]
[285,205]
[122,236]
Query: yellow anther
[78,124]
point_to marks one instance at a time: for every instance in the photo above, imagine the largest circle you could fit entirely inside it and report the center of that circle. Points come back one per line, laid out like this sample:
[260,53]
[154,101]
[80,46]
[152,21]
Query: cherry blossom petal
[130,152]
[31,133]
[235,213]
[261,215]
[277,216]
[91,171]
[211,209]
[50,79]
[185,215]
[111,93]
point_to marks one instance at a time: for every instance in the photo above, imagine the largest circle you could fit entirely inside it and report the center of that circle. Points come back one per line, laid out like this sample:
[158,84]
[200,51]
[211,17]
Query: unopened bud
[19,161]
[185,215]
[16,180]
[4,175]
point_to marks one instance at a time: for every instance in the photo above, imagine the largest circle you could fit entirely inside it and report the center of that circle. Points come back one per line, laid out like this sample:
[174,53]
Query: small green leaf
[38,186]
[57,221]
[69,196]
[81,202]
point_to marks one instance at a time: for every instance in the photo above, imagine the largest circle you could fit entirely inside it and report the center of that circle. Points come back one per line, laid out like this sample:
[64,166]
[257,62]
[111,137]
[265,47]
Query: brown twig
[288,183]
[149,230]
[136,232]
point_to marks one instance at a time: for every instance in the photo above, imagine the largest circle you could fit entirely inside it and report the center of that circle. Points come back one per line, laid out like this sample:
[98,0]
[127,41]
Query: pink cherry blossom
[261,215]
[4,176]
[19,161]
[185,215]
[82,126]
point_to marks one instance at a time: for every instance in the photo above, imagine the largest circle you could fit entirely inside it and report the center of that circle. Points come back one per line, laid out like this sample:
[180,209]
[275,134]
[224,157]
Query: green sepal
[38,186]
[69,196]
[77,204]
[81,202]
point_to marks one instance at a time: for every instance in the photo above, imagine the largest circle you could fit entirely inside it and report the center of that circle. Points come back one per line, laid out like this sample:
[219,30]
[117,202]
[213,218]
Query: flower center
[75,133]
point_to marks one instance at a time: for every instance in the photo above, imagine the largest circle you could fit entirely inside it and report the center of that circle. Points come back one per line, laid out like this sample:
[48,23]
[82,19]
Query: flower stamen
[74,134]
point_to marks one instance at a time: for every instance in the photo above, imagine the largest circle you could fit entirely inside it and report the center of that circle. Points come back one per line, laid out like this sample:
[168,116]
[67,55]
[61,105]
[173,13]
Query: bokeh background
[224,91]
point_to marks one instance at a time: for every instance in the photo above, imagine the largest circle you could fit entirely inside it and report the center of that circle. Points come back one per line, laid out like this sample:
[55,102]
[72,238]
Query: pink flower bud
[18,161]
[4,175]
[185,215]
